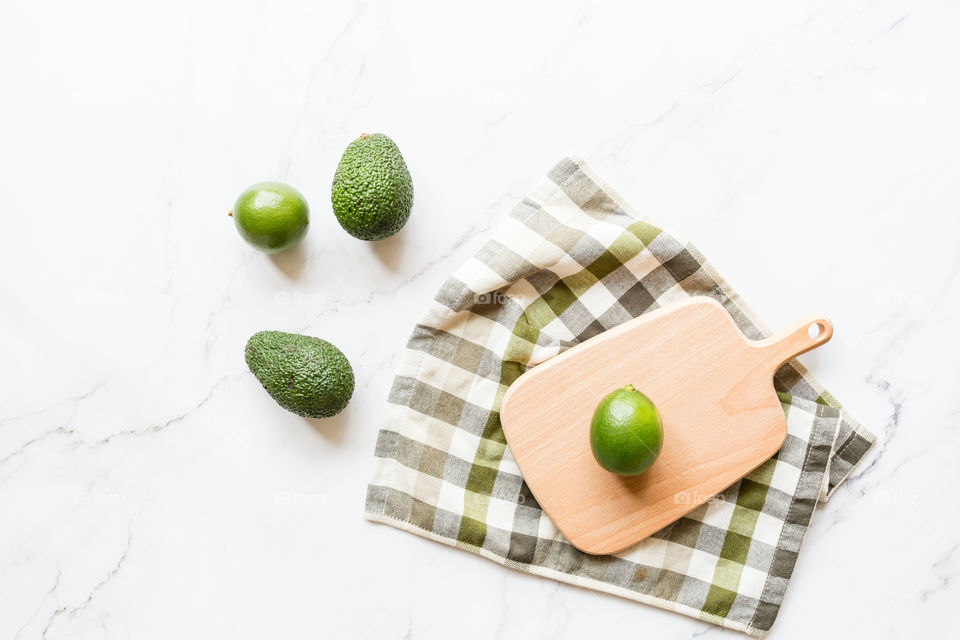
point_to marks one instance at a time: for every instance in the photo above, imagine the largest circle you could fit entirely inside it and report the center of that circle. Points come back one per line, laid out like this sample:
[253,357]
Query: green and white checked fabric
[571,261]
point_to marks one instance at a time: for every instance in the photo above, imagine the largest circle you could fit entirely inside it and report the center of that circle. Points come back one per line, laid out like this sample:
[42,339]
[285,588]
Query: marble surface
[151,489]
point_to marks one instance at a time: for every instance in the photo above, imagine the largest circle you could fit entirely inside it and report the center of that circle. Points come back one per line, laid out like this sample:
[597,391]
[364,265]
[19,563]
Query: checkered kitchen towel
[571,261]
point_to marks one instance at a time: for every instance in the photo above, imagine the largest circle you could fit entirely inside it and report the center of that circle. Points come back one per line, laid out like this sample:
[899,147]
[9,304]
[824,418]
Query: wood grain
[713,388]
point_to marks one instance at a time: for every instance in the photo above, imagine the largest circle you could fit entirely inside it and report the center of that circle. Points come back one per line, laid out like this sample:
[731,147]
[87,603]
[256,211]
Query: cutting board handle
[807,334]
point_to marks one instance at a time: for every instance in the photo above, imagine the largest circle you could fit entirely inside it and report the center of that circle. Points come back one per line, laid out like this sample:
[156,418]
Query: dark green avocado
[305,375]
[372,191]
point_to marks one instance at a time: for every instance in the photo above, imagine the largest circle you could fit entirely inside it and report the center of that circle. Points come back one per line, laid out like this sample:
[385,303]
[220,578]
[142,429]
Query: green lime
[271,216]
[626,433]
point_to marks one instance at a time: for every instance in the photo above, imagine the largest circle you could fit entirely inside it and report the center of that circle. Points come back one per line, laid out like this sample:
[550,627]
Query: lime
[271,216]
[626,433]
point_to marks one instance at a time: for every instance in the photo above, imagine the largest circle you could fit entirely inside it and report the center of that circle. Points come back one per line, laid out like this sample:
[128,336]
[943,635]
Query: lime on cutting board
[626,433]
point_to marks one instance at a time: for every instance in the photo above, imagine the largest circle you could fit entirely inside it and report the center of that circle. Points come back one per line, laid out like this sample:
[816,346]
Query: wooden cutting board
[713,388]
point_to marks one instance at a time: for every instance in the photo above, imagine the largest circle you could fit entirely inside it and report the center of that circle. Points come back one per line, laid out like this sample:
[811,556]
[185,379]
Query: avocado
[372,190]
[305,375]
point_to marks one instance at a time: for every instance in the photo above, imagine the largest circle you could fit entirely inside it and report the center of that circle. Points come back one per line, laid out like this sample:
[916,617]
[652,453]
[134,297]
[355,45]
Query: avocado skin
[372,191]
[305,375]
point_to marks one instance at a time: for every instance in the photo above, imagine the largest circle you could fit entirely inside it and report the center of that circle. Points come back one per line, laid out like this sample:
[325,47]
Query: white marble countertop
[151,489]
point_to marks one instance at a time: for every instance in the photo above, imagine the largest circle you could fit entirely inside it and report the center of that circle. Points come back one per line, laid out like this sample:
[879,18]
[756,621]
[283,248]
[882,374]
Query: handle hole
[814,330]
